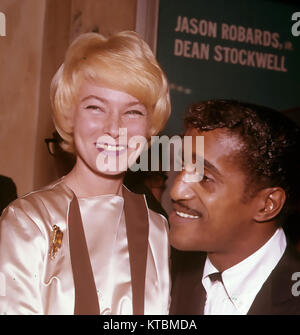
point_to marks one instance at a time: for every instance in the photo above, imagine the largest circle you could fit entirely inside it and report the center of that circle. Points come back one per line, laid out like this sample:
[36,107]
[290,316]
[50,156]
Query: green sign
[244,50]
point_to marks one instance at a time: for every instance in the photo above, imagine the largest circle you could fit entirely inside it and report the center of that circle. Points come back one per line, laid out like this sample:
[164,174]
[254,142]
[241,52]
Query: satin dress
[35,281]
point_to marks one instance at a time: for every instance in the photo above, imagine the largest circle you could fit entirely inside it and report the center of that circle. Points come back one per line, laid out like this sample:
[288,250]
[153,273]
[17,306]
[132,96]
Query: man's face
[211,215]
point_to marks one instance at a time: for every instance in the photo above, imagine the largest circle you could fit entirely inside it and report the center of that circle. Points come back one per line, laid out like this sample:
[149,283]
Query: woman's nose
[181,189]
[112,125]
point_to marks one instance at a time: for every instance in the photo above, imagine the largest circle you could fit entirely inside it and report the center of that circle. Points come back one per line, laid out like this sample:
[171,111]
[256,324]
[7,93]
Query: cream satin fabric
[37,284]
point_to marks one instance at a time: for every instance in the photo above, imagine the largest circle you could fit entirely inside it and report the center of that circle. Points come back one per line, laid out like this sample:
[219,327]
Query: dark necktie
[216,276]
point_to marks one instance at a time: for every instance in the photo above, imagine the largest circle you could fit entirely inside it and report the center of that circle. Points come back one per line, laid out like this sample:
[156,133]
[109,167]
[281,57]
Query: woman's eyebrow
[104,100]
[91,96]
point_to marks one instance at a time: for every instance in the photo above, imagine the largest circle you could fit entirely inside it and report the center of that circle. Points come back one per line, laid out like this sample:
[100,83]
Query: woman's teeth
[109,147]
[185,215]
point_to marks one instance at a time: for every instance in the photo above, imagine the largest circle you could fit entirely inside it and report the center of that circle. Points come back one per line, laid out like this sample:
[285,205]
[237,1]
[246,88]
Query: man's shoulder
[290,260]
[280,294]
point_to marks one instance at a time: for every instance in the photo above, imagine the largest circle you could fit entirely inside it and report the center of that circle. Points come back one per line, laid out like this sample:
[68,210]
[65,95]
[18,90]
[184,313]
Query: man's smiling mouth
[185,215]
[185,212]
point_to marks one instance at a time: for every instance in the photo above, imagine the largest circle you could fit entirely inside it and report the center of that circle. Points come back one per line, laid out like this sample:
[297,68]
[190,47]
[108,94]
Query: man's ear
[269,203]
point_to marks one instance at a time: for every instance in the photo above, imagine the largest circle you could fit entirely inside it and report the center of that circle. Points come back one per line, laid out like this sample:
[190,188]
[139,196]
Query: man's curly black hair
[270,150]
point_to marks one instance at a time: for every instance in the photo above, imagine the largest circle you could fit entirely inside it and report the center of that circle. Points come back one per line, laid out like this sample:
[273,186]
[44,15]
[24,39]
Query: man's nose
[181,189]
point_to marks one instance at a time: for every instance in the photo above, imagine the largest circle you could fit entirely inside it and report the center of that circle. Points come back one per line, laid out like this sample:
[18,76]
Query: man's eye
[207,179]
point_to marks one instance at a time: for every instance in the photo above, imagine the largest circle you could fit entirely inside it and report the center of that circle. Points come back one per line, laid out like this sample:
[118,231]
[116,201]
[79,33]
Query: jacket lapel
[262,304]
[275,296]
[86,298]
[137,227]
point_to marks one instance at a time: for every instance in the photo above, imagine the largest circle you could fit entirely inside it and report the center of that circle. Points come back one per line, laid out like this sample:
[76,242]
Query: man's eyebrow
[212,168]
[208,166]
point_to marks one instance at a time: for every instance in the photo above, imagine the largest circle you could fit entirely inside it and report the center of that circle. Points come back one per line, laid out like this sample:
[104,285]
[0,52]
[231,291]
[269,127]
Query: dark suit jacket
[8,192]
[274,298]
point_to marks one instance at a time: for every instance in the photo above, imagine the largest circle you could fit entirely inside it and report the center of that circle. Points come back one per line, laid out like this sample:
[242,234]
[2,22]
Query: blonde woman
[85,244]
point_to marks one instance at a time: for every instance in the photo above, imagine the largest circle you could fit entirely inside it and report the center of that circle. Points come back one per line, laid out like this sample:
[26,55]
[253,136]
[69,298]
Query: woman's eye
[134,113]
[94,108]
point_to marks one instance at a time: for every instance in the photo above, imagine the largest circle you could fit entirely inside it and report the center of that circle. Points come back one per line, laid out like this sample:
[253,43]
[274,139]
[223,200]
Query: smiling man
[234,257]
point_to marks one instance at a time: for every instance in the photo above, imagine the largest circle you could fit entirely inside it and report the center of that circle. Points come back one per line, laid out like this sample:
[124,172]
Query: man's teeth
[110,147]
[185,215]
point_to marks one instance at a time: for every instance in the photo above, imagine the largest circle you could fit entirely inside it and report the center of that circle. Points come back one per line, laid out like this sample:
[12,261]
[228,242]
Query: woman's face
[110,128]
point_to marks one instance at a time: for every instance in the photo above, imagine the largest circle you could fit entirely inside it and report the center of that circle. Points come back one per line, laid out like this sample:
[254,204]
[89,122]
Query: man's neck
[224,260]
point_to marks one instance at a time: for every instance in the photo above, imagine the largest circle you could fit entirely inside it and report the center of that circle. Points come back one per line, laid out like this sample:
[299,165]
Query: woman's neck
[85,182]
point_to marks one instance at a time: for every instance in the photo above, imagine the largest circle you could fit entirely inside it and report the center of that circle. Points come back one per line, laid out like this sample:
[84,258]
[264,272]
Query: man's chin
[180,242]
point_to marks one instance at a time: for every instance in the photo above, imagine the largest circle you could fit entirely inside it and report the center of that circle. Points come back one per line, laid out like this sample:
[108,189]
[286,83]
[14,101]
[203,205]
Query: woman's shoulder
[42,207]
[50,194]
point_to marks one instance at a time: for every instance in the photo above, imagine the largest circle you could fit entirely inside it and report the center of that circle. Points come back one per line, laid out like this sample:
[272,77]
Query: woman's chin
[111,174]
[105,171]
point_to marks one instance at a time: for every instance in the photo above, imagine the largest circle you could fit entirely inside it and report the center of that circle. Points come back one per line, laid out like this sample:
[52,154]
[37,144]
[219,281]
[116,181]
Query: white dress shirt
[243,281]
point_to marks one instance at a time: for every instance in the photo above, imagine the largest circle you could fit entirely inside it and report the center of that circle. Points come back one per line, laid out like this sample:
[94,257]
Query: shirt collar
[244,280]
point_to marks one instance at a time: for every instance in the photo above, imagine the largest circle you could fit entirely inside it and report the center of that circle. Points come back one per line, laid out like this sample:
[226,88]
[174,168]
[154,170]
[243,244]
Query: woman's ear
[270,202]
[69,118]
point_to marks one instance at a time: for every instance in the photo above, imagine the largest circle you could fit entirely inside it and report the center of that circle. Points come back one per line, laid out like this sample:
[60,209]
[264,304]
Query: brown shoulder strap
[137,227]
[86,298]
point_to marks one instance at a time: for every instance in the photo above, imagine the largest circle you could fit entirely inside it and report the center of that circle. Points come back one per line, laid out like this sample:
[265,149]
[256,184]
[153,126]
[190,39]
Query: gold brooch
[55,241]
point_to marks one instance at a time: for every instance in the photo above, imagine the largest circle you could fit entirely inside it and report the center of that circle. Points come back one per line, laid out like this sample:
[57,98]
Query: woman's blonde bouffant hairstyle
[123,62]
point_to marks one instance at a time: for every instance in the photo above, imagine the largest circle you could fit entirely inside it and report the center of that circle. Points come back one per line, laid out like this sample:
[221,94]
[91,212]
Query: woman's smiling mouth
[111,148]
